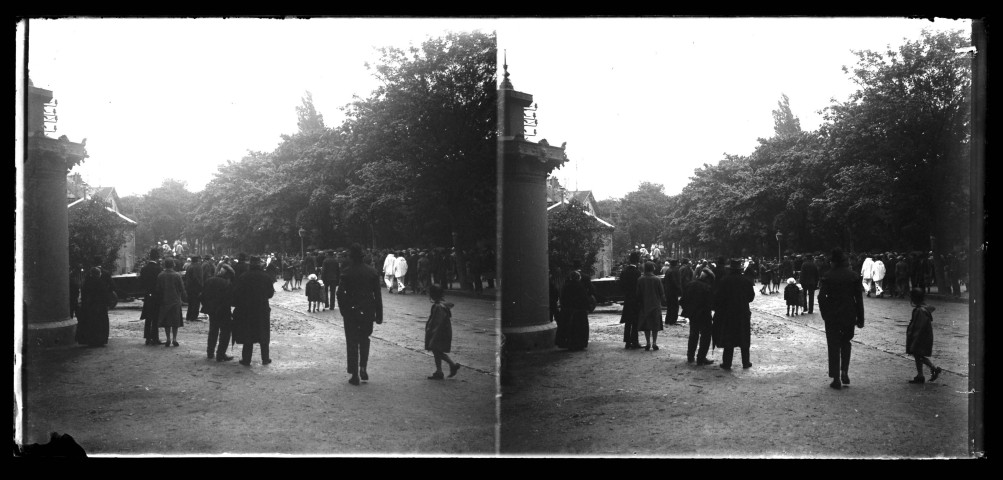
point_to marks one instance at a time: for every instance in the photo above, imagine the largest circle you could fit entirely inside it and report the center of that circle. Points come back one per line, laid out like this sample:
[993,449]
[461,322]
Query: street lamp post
[778,245]
[302,232]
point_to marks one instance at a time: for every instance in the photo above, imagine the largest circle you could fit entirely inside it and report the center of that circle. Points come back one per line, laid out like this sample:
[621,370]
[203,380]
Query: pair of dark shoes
[935,374]
[703,361]
[918,379]
[747,365]
[154,342]
[223,358]
[246,363]
[437,375]
[455,367]
[835,384]
[354,380]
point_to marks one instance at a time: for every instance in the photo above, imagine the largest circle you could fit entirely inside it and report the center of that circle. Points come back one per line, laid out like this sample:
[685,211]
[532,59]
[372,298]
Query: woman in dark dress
[631,309]
[92,322]
[573,326]
[151,303]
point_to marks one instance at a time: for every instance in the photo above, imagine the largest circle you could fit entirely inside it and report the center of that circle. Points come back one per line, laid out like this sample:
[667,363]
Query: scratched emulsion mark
[759,370]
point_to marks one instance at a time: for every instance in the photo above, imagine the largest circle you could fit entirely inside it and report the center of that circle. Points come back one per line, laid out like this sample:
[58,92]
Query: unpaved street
[128,398]
[610,401]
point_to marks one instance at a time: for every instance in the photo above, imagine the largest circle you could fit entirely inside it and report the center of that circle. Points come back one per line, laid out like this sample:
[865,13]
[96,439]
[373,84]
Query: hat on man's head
[225,270]
[735,264]
[837,256]
[790,281]
[312,277]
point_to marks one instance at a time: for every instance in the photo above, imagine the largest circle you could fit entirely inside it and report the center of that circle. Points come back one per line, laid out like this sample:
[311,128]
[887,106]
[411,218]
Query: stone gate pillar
[46,307]
[524,166]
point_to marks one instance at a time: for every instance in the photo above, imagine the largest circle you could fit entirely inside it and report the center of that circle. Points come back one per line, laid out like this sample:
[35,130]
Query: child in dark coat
[314,293]
[919,336]
[792,295]
[439,333]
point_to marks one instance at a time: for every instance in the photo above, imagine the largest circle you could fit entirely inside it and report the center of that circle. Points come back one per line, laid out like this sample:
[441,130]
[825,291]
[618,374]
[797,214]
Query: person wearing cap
[673,290]
[792,296]
[193,285]
[361,305]
[697,303]
[809,280]
[151,303]
[216,299]
[650,297]
[841,303]
[631,308]
[732,317]
[251,313]
[171,294]
[240,267]
[330,274]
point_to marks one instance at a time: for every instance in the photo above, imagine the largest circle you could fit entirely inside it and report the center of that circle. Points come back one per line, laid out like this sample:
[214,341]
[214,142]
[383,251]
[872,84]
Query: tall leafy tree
[95,232]
[575,237]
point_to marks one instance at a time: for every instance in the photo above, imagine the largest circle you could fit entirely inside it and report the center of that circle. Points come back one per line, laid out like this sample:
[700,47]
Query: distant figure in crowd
[361,305]
[309,264]
[330,274]
[241,267]
[867,274]
[902,274]
[193,287]
[167,251]
[298,275]
[809,280]
[631,308]
[77,276]
[878,277]
[171,293]
[792,295]
[389,265]
[697,303]
[424,273]
[919,336]
[314,294]
[439,333]
[251,312]
[573,326]
[92,322]
[400,272]
[556,282]
[732,317]
[151,301]
[217,297]
[179,249]
[650,297]
[673,290]
[840,300]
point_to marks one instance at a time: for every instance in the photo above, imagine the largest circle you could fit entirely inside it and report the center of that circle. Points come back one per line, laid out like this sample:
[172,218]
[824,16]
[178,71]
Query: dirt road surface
[128,398]
[608,401]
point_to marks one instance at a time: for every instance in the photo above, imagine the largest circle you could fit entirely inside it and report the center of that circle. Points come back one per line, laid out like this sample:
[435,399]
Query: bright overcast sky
[653,99]
[160,98]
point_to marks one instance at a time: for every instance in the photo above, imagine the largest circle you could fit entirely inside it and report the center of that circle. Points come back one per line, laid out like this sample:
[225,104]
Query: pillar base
[50,334]
[533,337]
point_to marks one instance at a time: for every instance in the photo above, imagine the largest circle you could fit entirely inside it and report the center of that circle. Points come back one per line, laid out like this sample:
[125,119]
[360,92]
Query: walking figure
[919,336]
[439,333]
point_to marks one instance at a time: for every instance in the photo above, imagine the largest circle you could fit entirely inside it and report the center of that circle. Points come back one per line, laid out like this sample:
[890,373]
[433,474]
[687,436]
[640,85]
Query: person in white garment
[388,271]
[867,272]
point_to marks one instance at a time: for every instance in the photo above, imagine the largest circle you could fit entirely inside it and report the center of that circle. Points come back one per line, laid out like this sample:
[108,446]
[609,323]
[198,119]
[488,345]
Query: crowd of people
[233,294]
[714,295]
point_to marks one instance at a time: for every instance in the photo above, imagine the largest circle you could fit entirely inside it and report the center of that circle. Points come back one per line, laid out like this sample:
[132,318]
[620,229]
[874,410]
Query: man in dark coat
[631,307]
[840,300]
[361,304]
[193,285]
[809,280]
[240,267]
[732,317]
[251,313]
[673,289]
[330,274]
[151,303]
[309,264]
[697,303]
[217,296]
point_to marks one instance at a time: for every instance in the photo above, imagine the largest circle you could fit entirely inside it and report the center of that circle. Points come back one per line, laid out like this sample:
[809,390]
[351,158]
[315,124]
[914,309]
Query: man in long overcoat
[217,296]
[251,312]
[673,290]
[732,317]
[809,280]
[697,303]
[631,308]
[193,286]
[361,305]
[151,302]
[840,300]
[330,274]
